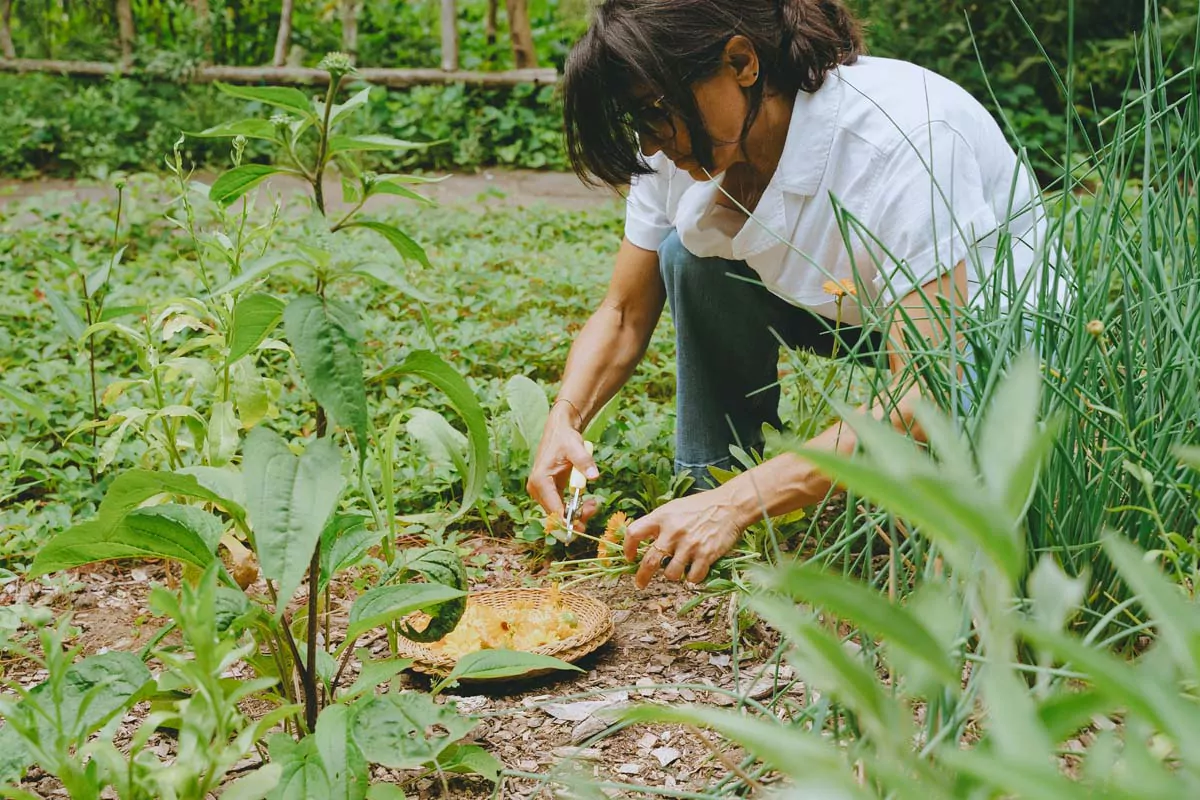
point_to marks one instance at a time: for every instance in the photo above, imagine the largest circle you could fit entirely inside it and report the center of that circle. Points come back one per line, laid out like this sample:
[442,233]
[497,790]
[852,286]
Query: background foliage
[81,127]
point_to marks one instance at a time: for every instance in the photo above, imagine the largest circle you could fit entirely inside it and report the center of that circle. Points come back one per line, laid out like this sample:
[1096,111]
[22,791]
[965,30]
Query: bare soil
[533,727]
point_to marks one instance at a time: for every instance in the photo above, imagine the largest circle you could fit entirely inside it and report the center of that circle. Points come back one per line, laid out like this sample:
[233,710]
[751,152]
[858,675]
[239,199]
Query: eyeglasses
[655,117]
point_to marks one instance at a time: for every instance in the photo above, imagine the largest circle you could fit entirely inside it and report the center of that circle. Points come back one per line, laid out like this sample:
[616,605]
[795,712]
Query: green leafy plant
[998,731]
[285,498]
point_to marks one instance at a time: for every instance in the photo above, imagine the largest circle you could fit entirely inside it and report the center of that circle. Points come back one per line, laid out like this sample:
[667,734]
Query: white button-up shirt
[890,175]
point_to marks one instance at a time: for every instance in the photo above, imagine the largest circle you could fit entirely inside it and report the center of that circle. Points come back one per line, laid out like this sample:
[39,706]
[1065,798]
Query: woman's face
[723,108]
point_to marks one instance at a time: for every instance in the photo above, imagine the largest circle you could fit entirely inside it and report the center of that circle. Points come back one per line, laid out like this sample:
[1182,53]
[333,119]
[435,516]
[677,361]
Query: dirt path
[487,187]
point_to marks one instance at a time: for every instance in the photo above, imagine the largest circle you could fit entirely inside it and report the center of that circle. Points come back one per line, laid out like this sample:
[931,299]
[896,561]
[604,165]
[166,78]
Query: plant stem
[323,147]
[310,679]
[87,310]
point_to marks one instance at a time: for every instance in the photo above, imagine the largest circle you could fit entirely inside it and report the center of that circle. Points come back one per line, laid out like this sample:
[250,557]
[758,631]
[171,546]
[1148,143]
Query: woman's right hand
[561,449]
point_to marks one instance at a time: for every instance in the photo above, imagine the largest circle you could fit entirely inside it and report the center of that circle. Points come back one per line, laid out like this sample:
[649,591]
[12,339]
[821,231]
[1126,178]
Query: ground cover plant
[314,406]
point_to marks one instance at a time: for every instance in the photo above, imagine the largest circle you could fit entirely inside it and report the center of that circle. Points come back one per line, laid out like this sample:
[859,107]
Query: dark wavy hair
[666,46]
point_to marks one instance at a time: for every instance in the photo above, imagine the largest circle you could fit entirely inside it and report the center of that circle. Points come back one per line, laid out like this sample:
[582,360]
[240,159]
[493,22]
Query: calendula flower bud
[1095,328]
[336,64]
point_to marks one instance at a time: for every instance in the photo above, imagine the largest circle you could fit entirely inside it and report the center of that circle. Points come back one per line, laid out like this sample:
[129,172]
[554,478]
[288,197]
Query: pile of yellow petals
[524,625]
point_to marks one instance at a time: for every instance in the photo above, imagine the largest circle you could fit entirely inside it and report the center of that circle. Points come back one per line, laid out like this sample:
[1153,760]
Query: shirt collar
[810,137]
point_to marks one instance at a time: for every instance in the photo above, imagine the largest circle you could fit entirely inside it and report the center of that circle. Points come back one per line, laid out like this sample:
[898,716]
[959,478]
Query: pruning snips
[575,485]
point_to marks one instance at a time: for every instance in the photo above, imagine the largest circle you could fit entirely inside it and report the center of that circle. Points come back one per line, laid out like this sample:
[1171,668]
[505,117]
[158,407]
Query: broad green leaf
[345,766]
[1189,456]
[791,750]
[492,664]
[852,601]
[441,442]
[284,97]
[432,368]
[1014,777]
[95,281]
[303,774]
[389,276]
[329,361]
[602,419]
[221,441]
[181,533]
[251,393]
[1055,595]
[149,534]
[224,482]
[1174,617]
[396,730]
[373,674]
[385,791]
[346,144]
[1009,427]
[822,662]
[116,312]
[289,500]
[960,520]
[250,128]
[239,180]
[1123,685]
[341,110]
[255,786]
[529,406]
[405,246]
[68,319]
[24,401]
[254,317]
[1064,713]
[258,268]
[470,759]
[14,758]
[383,604]
[387,187]
[95,690]
[344,541]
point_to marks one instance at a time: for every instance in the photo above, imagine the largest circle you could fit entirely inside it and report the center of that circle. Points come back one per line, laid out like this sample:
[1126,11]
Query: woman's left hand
[692,531]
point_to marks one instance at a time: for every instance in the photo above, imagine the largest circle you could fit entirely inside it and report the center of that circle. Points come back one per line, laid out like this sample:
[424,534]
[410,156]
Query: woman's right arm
[602,358]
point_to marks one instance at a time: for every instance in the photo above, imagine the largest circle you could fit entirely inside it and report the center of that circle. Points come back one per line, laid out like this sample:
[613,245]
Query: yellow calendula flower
[614,535]
[840,289]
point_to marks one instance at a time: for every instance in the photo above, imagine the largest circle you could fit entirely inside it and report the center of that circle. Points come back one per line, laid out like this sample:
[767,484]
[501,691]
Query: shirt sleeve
[930,209]
[647,217]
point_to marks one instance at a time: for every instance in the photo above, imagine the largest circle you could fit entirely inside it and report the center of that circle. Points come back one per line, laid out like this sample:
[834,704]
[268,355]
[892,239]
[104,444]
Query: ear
[741,59]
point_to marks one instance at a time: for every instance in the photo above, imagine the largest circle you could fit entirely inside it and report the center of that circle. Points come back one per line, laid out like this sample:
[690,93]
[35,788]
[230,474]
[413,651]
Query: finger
[543,489]
[581,459]
[639,531]
[586,512]
[680,558]
[651,563]
[699,569]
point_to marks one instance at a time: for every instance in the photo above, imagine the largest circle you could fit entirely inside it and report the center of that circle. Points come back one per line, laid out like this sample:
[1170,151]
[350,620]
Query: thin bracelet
[573,407]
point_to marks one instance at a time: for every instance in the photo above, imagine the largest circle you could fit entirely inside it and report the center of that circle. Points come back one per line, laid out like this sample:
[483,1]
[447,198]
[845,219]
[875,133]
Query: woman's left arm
[697,530]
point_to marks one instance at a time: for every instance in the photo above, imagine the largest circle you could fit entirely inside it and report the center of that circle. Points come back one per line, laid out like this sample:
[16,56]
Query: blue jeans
[727,354]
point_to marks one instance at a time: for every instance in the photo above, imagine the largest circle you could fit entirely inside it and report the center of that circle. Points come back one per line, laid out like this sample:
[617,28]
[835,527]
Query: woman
[773,167]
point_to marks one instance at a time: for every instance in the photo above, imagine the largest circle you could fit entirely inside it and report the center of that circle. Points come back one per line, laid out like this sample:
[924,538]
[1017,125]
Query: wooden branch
[449,36]
[124,13]
[489,22]
[6,42]
[285,34]
[521,33]
[350,28]
[296,76]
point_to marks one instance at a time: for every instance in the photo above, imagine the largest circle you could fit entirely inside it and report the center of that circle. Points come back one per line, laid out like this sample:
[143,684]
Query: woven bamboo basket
[595,628]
